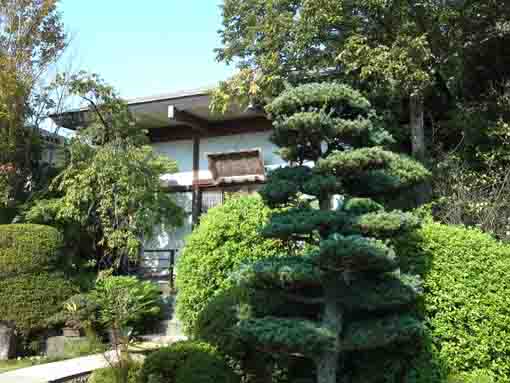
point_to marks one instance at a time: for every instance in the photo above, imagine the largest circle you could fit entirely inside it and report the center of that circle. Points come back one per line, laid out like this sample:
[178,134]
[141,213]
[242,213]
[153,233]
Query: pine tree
[349,270]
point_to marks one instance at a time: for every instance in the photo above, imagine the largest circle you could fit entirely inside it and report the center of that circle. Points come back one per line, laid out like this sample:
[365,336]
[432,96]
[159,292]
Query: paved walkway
[50,372]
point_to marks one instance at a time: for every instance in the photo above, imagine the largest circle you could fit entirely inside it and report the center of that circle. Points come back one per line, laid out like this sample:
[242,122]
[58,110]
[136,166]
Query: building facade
[216,154]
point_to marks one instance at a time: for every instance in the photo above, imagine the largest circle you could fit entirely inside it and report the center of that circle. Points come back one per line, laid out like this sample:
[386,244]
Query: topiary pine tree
[351,271]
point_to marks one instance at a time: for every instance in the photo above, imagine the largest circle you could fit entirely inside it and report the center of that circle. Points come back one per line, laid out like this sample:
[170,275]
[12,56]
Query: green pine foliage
[187,362]
[348,275]
[466,303]
[226,238]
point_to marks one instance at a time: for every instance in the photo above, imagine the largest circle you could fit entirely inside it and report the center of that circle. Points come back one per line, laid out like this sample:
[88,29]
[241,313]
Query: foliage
[32,38]
[451,56]
[187,361]
[479,376]
[88,345]
[80,311]
[28,248]
[108,375]
[226,238]
[471,183]
[124,304]
[126,301]
[406,63]
[356,302]
[465,302]
[30,289]
[472,197]
[112,191]
[108,118]
[29,300]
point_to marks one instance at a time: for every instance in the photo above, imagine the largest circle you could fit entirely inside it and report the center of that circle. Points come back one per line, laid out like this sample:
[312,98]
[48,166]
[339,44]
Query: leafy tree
[32,37]
[351,268]
[419,60]
[110,189]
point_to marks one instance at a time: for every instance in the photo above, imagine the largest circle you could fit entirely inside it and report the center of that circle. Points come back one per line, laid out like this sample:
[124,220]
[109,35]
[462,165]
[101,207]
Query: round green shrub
[228,236]
[26,248]
[187,362]
[466,304]
[28,300]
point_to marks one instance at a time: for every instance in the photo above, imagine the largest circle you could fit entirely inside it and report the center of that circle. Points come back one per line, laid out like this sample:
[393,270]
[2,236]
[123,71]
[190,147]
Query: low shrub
[187,362]
[28,248]
[127,302]
[479,376]
[109,375]
[29,300]
[228,236]
[466,302]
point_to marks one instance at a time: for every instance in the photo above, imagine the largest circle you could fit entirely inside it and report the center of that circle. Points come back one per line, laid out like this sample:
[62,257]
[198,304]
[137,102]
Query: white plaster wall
[169,238]
[238,142]
[182,152]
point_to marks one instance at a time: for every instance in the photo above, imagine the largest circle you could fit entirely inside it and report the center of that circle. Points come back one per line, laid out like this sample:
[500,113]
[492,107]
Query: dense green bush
[227,237]
[187,362]
[466,302]
[31,289]
[28,248]
[29,300]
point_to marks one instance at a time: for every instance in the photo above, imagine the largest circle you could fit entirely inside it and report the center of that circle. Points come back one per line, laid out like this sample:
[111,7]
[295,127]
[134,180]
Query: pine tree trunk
[327,362]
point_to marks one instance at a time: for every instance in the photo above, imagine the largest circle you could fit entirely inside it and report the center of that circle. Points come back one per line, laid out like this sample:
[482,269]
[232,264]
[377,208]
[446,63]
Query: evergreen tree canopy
[350,270]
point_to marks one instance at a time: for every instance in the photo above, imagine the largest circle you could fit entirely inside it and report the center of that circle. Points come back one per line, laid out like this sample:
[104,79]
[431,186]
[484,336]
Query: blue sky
[146,47]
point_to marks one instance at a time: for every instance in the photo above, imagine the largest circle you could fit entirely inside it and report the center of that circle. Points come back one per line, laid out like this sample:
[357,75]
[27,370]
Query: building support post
[197,195]
[199,128]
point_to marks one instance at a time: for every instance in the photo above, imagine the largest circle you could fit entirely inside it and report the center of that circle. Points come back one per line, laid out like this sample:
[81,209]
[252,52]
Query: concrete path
[56,371]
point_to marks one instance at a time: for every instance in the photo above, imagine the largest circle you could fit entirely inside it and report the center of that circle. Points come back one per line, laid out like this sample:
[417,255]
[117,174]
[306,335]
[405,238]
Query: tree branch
[97,111]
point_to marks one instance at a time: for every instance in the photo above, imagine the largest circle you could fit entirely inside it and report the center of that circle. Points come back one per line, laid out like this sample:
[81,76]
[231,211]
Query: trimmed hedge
[466,302]
[187,362]
[29,300]
[28,248]
[228,236]
[30,291]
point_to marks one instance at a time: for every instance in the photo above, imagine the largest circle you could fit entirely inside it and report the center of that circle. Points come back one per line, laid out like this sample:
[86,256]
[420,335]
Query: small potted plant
[73,326]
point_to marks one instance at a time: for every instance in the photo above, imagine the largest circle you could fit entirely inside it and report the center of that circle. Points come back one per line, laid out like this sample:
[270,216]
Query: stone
[58,346]
[7,341]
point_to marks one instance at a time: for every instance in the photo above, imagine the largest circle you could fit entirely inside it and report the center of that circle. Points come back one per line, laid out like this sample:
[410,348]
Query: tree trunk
[416,110]
[327,363]
[417,127]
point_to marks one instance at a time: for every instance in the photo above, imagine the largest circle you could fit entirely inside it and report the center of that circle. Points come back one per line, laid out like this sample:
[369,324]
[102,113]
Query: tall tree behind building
[32,38]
